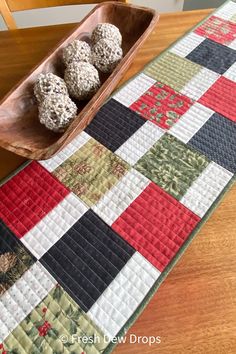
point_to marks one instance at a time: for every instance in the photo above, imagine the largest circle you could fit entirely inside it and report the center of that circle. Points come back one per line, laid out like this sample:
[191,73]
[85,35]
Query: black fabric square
[114,124]
[15,259]
[217,140]
[87,258]
[213,56]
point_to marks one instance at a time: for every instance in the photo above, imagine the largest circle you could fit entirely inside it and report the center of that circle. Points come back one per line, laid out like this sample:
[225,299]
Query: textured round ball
[82,80]
[56,112]
[106,31]
[106,55]
[76,51]
[49,84]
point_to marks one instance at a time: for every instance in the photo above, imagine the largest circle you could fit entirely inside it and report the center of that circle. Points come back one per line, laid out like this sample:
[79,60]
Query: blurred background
[65,14]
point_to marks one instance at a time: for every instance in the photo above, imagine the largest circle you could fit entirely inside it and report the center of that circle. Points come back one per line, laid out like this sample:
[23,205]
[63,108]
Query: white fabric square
[131,92]
[54,225]
[27,292]
[199,84]
[186,45]
[116,200]
[139,143]
[65,153]
[207,187]
[125,293]
[231,72]
[232,45]
[190,122]
[226,11]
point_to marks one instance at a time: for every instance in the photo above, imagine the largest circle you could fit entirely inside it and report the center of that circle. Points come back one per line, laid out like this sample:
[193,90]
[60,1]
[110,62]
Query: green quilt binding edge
[181,251]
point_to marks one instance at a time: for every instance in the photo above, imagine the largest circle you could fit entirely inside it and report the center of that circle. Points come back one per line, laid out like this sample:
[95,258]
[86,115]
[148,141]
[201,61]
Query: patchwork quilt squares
[189,124]
[156,225]
[114,203]
[221,98]
[85,235]
[15,260]
[133,89]
[162,105]
[218,30]
[91,171]
[139,143]
[87,258]
[200,83]
[213,56]
[26,293]
[57,315]
[207,187]
[52,163]
[172,165]
[216,139]
[114,124]
[172,70]
[122,297]
[54,225]
[28,196]
[187,44]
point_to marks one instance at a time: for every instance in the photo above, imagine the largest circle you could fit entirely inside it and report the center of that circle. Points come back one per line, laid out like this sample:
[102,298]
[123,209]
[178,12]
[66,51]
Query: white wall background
[66,14]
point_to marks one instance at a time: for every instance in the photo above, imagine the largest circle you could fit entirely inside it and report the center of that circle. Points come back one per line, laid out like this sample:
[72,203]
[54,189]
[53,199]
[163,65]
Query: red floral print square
[217,29]
[156,225]
[28,197]
[221,98]
[162,105]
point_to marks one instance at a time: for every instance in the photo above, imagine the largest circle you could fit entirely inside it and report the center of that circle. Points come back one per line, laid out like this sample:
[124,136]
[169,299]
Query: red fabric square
[221,98]
[156,225]
[27,197]
[217,29]
[162,105]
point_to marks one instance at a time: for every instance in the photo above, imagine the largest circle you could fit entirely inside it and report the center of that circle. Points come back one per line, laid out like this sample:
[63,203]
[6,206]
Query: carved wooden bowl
[20,130]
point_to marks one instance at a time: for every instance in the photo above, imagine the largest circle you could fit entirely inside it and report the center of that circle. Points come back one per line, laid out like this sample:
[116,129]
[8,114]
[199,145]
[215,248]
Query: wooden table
[194,311]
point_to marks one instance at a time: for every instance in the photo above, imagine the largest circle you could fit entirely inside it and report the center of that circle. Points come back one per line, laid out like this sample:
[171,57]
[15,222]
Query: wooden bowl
[20,130]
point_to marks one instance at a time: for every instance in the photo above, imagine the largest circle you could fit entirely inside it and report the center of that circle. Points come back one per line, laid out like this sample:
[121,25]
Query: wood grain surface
[194,310]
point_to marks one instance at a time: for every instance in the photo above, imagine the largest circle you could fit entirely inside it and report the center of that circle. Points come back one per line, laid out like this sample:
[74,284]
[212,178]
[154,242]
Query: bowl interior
[19,124]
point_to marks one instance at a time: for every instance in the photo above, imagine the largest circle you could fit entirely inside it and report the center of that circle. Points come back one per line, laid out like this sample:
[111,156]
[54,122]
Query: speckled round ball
[106,55]
[56,112]
[77,51]
[106,31]
[82,80]
[49,84]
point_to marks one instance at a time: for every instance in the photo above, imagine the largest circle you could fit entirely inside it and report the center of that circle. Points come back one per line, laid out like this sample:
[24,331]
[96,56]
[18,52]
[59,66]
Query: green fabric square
[172,165]
[172,70]
[57,325]
[91,171]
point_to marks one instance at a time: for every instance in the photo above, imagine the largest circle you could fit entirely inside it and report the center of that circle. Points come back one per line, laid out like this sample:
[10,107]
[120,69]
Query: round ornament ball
[49,84]
[56,112]
[106,31]
[106,55]
[76,51]
[82,80]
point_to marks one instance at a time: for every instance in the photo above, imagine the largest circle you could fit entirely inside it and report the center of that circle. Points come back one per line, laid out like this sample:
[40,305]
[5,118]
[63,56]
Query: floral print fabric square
[91,171]
[218,30]
[172,165]
[55,318]
[162,105]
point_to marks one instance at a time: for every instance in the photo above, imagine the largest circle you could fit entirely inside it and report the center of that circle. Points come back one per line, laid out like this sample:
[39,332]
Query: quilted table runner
[87,237]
